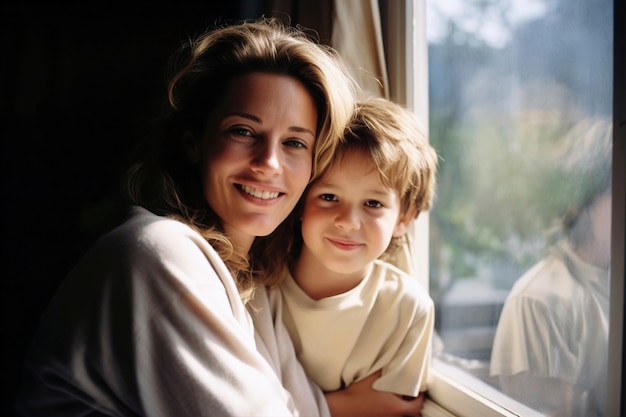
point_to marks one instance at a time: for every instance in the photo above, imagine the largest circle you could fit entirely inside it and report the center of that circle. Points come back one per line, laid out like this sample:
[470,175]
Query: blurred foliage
[499,117]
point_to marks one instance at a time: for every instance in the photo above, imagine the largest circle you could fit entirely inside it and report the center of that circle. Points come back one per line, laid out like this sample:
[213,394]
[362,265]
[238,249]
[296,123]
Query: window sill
[450,396]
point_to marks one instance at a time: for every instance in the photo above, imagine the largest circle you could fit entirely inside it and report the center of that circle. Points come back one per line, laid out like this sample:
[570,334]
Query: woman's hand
[361,400]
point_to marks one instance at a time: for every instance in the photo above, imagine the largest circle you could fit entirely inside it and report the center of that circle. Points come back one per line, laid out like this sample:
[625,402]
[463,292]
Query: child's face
[350,216]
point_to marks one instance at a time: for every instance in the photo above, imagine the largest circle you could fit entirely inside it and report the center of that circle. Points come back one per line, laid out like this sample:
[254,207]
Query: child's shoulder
[394,279]
[399,290]
[388,269]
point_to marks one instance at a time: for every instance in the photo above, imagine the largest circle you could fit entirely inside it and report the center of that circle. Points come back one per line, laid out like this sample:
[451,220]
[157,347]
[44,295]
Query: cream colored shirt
[386,322]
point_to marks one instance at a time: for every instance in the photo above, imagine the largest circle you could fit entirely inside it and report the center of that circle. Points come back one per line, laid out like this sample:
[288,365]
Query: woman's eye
[373,204]
[240,131]
[328,197]
[295,144]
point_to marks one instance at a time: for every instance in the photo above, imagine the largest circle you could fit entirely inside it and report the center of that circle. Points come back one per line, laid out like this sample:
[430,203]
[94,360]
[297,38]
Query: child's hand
[361,400]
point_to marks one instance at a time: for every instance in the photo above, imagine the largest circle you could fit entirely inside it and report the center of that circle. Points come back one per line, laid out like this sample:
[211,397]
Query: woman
[152,321]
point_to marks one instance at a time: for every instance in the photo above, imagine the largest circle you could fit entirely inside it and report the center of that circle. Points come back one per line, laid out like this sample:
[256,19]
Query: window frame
[404,24]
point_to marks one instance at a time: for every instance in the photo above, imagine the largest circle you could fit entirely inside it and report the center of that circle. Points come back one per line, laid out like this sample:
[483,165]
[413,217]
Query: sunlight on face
[258,152]
[350,216]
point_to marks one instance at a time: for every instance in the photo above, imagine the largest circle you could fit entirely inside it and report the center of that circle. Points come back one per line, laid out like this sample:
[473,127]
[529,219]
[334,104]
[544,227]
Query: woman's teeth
[264,195]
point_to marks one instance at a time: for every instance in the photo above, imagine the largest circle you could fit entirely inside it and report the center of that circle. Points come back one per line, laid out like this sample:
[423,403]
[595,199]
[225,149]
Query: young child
[350,314]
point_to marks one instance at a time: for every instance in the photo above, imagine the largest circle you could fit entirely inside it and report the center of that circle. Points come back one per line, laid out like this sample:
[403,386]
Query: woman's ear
[192,147]
[404,221]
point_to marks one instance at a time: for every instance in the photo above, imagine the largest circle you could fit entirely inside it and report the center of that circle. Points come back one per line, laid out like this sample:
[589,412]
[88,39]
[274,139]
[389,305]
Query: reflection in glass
[520,106]
[551,345]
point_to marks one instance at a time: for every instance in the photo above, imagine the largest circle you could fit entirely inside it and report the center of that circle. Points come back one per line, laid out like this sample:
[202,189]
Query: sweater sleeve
[197,354]
[150,323]
[274,342]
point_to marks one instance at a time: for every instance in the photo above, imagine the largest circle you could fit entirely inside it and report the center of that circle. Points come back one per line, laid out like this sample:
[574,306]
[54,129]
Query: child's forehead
[350,158]
[351,169]
[351,152]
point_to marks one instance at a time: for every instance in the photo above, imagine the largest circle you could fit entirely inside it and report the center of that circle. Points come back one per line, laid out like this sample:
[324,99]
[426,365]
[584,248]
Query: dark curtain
[79,82]
[316,15]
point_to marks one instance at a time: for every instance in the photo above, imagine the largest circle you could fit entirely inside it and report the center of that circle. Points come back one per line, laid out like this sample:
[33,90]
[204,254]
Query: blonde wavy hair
[396,142]
[165,182]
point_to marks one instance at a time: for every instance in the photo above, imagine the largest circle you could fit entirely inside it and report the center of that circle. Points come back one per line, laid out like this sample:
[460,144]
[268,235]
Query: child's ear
[404,221]
[192,147]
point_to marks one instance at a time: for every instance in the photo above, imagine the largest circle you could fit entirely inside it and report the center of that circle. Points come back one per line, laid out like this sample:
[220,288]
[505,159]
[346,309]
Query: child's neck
[319,282]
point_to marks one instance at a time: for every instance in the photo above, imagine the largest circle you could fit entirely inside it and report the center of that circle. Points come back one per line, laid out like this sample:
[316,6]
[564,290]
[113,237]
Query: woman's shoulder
[153,257]
[141,221]
[149,244]
[145,231]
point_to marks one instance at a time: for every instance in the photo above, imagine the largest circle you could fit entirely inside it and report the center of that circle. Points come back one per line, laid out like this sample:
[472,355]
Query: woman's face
[257,153]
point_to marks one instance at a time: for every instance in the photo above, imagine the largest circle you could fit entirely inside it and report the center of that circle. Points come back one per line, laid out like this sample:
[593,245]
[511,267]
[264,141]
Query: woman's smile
[258,153]
[259,194]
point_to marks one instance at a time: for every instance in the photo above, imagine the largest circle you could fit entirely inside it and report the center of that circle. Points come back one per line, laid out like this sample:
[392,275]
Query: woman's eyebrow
[301,130]
[258,120]
[245,116]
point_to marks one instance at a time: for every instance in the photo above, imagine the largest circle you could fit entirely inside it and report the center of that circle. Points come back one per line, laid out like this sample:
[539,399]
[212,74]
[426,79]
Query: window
[520,94]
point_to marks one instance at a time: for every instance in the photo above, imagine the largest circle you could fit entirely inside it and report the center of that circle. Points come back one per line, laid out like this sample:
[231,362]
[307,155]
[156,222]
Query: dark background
[78,82]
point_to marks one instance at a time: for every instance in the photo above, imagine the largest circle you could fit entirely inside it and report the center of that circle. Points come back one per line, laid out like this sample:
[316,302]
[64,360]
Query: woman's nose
[267,159]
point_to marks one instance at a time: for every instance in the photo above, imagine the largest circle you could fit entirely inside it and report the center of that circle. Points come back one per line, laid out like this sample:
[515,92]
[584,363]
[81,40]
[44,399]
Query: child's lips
[345,244]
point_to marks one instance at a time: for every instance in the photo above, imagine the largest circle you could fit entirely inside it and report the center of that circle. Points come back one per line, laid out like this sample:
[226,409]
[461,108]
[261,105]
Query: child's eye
[373,204]
[328,197]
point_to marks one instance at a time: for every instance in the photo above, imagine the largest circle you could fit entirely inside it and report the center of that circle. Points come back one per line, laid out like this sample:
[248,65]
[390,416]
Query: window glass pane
[520,112]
